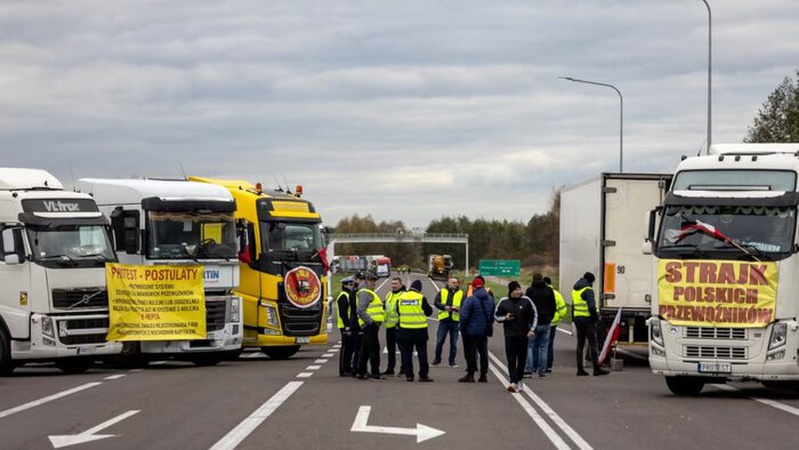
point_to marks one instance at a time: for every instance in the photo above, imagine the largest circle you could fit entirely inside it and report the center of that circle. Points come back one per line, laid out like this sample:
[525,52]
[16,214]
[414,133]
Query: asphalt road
[256,403]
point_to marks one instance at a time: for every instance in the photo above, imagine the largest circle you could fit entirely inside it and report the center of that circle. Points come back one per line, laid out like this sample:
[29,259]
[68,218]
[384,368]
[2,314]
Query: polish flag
[613,336]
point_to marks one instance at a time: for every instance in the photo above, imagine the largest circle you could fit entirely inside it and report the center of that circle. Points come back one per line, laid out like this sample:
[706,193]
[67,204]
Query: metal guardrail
[399,237]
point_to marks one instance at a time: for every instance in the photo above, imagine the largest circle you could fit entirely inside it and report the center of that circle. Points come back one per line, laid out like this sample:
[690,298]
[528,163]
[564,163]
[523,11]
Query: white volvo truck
[178,222]
[53,299]
[727,284]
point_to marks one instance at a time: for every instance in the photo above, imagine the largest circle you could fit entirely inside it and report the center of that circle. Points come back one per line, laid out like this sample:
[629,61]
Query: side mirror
[126,230]
[12,259]
[13,249]
[646,248]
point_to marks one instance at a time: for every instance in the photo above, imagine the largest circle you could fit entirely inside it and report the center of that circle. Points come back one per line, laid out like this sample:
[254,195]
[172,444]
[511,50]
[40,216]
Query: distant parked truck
[179,222]
[602,229]
[439,266]
[383,267]
[53,299]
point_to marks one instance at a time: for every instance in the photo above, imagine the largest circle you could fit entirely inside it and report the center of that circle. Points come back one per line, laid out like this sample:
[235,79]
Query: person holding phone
[519,318]
[448,302]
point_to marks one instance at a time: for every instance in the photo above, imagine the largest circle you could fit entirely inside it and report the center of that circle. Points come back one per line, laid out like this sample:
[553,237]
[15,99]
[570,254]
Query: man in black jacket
[544,300]
[345,368]
[518,316]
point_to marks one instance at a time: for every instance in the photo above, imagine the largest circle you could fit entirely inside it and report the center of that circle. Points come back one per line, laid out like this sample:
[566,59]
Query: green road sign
[500,267]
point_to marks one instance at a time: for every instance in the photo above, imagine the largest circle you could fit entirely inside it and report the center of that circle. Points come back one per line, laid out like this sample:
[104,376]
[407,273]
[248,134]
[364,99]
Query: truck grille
[692,351]
[80,298]
[84,324]
[715,333]
[298,321]
[215,314]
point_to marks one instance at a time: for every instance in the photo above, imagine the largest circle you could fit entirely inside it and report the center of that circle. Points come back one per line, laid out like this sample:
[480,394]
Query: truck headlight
[47,326]
[235,309]
[271,315]
[656,332]
[778,334]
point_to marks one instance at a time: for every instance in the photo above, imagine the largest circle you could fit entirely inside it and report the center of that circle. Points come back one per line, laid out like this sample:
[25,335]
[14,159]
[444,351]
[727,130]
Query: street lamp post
[709,69]
[621,115]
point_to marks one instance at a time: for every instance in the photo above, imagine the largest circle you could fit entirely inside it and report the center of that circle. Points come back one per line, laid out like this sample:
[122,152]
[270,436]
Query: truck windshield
[71,246]
[194,235]
[723,231]
[300,238]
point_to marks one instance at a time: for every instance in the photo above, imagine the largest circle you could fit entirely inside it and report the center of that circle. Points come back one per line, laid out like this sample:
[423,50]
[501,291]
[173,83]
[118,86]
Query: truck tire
[281,352]
[685,386]
[207,360]
[6,363]
[74,365]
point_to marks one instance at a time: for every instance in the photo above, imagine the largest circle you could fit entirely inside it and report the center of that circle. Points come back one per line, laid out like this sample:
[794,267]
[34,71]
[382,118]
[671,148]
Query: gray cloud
[408,110]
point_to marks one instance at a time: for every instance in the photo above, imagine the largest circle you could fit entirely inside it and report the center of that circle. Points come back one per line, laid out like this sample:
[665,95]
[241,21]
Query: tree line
[535,242]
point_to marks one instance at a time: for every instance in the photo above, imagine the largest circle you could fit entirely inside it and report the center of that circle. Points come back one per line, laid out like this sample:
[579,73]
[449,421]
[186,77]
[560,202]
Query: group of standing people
[529,322]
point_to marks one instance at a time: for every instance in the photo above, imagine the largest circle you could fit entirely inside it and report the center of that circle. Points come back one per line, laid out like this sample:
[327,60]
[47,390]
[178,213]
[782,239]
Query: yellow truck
[283,275]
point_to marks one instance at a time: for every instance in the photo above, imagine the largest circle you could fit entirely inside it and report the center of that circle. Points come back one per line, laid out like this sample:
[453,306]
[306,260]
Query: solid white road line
[550,433]
[563,330]
[765,401]
[47,399]
[249,424]
[115,377]
[553,416]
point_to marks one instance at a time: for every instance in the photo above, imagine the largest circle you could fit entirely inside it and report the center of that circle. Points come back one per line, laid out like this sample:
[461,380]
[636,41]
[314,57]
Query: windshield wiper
[63,259]
[96,255]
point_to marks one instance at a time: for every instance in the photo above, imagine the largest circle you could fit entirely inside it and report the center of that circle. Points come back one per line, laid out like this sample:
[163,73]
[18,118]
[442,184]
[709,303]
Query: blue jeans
[444,329]
[538,350]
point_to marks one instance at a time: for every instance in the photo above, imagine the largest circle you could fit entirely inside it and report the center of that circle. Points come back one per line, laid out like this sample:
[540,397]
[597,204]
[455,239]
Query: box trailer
[602,228]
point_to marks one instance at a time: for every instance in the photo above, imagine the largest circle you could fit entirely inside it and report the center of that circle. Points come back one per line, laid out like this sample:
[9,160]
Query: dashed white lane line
[305,375]
[313,367]
[135,370]
[48,399]
[249,424]
[333,350]
[115,377]
[327,355]
[765,401]
[320,361]
[548,411]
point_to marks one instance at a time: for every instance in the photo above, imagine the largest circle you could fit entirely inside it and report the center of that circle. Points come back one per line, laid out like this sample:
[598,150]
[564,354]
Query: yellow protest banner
[734,294]
[155,303]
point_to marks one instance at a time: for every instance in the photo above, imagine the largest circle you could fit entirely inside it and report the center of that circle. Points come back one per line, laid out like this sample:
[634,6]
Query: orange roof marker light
[258,188]
[298,190]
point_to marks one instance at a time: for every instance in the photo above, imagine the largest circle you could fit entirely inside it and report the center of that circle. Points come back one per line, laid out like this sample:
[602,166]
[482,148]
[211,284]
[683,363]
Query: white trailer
[53,299]
[602,228]
[186,223]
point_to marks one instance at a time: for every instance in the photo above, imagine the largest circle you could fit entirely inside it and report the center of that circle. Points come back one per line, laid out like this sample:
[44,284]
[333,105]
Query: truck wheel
[6,364]
[686,386]
[281,352]
[74,365]
[206,360]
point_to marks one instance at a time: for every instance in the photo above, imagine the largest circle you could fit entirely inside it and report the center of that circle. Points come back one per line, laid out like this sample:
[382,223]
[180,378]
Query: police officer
[371,315]
[413,309]
[448,302]
[355,327]
[585,316]
[560,313]
[345,368]
[397,289]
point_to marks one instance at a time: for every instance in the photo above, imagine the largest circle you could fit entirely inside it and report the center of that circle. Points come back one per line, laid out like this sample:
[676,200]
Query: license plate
[714,367]
[87,350]
[303,340]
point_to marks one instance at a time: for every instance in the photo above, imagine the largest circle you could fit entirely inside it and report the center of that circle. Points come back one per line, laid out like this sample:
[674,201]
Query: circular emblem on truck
[302,286]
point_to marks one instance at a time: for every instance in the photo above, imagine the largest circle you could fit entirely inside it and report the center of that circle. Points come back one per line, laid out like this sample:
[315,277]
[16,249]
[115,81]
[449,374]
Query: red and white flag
[613,336]
[706,228]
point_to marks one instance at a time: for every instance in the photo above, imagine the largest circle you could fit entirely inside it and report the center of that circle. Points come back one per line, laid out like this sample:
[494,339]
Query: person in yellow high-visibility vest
[345,368]
[391,324]
[371,315]
[412,309]
[448,302]
[584,317]
[560,314]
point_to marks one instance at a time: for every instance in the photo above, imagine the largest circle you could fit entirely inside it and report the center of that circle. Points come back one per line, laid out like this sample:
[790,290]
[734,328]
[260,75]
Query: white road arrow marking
[422,432]
[66,440]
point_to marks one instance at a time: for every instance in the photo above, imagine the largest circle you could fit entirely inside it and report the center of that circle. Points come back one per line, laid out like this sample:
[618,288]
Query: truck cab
[53,299]
[179,222]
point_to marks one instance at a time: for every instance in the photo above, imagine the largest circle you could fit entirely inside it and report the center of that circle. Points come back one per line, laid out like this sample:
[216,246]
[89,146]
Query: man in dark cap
[519,318]
[343,320]
[476,325]
[585,316]
[355,327]
[412,309]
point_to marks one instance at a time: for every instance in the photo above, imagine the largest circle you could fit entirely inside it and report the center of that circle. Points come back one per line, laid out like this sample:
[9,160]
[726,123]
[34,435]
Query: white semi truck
[602,227]
[53,299]
[727,288]
[178,222]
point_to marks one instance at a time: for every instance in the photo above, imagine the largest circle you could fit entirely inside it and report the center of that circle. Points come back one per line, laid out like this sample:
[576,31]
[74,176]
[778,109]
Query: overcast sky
[406,110]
